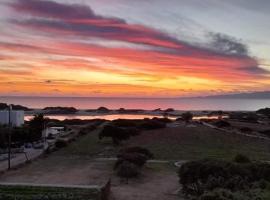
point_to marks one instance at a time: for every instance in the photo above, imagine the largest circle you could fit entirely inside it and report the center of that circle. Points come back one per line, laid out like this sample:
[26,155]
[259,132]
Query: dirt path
[152,186]
[20,158]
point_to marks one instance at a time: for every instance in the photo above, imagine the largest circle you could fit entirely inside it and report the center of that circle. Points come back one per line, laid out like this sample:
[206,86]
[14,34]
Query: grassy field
[76,164]
[200,142]
[179,143]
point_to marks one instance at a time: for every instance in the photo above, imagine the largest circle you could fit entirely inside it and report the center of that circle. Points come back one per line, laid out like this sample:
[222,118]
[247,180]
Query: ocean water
[141,103]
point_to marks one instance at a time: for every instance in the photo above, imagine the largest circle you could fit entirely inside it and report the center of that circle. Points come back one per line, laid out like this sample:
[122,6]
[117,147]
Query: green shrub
[116,133]
[197,177]
[164,120]
[151,124]
[125,122]
[127,170]
[217,195]
[187,116]
[137,149]
[137,159]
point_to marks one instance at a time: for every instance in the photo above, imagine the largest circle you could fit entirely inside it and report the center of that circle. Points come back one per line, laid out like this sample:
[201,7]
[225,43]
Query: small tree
[187,116]
[36,126]
[136,149]
[117,134]
[127,170]
[137,159]
[152,124]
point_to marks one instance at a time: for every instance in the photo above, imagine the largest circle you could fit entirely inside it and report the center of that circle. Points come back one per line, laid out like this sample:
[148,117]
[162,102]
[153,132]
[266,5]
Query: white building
[16,117]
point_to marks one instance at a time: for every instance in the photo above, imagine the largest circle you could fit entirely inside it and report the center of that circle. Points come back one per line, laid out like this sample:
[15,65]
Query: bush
[264,111]
[130,160]
[239,158]
[127,170]
[163,119]
[217,195]
[36,126]
[125,123]
[140,150]
[187,116]
[137,159]
[196,175]
[117,134]
[151,124]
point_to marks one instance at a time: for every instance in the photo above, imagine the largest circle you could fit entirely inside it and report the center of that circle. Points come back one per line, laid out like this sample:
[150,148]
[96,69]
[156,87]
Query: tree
[187,116]
[137,159]
[127,170]
[136,149]
[152,124]
[36,126]
[117,134]
[130,161]
[264,111]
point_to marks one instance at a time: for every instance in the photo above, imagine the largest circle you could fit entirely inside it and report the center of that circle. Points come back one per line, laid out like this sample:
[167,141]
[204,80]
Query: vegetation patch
[51,192]
[130,161]
[225,180]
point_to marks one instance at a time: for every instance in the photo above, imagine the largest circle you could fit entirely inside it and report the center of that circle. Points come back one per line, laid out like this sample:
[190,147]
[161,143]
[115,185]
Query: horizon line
[133,97]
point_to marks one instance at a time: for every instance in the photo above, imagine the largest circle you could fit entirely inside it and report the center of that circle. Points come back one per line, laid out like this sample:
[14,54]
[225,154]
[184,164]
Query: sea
[191,104]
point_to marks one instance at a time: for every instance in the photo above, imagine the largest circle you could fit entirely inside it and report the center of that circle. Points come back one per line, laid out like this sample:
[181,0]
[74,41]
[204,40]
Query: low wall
[10,191]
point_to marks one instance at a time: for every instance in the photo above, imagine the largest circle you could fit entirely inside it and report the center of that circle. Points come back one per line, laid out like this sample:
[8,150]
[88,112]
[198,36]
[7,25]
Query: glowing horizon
[58,48]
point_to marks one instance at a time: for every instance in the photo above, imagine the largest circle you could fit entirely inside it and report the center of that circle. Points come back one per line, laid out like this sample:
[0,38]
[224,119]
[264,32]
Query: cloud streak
[75,18]
[83,40]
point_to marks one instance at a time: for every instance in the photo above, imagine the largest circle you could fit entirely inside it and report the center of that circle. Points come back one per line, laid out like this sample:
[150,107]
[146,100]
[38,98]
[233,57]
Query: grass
[200,142]
[88,145]
[27,192]
[180,143]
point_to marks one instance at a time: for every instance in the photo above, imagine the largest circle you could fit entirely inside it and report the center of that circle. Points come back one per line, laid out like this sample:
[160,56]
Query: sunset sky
[134,48]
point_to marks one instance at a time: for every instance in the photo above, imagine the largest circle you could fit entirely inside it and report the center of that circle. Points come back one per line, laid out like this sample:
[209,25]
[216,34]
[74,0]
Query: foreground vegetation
[240,179]
[45,192]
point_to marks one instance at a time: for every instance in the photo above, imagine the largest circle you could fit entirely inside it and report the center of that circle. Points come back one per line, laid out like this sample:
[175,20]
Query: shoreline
[112,115]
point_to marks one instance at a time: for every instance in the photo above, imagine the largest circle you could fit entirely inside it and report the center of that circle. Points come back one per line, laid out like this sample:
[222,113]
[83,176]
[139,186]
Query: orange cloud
[99,55]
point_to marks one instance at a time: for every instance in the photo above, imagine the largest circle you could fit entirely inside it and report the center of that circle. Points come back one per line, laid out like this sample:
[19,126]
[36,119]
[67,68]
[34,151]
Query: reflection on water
[117,116]
[89,117]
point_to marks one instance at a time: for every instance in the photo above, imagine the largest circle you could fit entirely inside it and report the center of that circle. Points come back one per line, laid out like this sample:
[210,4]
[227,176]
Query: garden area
[139,157]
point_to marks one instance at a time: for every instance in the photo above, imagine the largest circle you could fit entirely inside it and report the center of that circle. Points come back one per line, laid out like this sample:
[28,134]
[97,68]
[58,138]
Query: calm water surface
[89,117]
[114,117]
